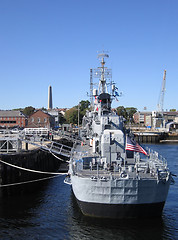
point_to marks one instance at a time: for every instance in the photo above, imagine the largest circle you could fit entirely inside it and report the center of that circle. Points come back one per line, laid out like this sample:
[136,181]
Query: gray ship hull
[121,211]
[120,198]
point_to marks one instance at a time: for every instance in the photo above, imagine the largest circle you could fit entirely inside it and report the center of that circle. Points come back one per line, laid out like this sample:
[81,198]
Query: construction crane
[162,93]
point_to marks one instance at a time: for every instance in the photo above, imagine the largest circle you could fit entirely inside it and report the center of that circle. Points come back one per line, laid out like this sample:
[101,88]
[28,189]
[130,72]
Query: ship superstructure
[107,180]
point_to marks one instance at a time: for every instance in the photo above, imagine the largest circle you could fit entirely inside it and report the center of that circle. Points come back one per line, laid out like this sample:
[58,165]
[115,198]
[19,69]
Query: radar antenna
[105,76]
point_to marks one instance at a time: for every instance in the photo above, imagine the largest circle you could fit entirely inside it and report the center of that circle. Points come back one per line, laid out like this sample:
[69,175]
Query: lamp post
[78,115]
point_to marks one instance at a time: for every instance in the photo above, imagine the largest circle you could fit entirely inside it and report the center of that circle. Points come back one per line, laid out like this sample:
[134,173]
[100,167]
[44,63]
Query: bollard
[26,146]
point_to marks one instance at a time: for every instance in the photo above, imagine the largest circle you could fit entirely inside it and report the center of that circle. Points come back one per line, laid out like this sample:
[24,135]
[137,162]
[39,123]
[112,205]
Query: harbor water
[52,213]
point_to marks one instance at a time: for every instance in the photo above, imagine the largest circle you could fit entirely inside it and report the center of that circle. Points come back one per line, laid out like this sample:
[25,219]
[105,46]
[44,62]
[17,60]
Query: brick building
[155,119]
[142,118]
[170,116]
[10,118]
[41,119]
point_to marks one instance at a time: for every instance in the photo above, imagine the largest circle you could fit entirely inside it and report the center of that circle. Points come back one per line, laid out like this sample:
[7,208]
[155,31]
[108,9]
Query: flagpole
[125,150]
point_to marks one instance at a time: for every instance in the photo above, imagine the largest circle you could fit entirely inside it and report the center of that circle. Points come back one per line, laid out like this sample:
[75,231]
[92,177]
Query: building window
[45,120]
[38,120]
[7,121]
[32,119]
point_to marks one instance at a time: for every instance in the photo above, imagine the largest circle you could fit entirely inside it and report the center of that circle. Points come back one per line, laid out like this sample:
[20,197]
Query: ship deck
[103,174]
[127,170]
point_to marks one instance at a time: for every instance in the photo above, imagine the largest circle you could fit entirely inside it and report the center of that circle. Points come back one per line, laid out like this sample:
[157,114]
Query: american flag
[132,145]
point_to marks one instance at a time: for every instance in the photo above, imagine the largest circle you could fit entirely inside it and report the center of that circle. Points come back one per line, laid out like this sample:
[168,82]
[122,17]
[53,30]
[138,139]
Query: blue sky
[55,42]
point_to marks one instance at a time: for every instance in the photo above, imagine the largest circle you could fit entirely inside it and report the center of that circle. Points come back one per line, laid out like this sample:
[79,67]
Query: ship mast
[102,83]
[105,80]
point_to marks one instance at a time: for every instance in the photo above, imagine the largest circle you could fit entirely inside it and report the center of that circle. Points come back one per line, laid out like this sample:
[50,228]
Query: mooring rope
[31,181]
[31,170]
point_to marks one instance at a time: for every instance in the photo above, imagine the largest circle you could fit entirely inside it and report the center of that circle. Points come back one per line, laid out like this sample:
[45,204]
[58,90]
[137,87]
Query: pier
[149,137]
[155,137]
[31,157]
[30,139]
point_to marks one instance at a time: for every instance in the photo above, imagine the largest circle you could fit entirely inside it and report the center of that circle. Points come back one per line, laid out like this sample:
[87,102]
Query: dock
[27,159]
[149,137]
[155,137]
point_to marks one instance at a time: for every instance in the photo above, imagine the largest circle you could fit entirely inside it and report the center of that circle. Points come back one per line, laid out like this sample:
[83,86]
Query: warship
[111,175]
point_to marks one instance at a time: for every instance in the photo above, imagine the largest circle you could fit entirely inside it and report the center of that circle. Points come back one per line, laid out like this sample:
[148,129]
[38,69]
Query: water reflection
[18,206]
[132,229]
[51,212]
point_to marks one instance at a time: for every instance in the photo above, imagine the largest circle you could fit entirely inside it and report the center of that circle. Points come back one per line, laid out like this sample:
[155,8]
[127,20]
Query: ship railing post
[61,148]
[115,171]
[97,171]
[51,146]
[26,146]
[7,146]
[19,145]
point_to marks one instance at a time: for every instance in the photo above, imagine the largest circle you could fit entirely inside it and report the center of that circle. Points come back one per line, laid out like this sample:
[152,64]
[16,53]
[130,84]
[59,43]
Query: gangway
[36,131]
[10,143]
[13,143]
[49,145]
[67,135]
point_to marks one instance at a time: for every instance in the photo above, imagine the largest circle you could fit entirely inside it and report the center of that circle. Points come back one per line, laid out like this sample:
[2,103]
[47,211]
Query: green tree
[28,110]
[44,109]
[130,113]
[71,115]
[18,109]
[127,113]
[121,111]
[172,110]
[84,105]
[61,118]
